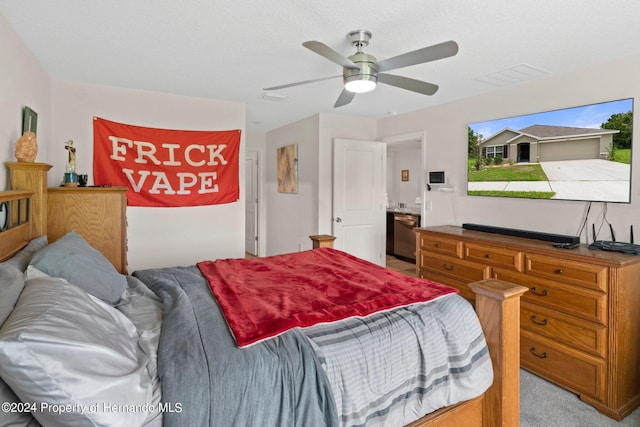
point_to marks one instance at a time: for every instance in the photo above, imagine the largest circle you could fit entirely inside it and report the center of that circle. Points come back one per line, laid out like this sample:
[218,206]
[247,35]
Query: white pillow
[61,346]
[33,273]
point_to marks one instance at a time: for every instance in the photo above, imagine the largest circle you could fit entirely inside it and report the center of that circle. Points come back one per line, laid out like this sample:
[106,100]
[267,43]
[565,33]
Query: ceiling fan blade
[301,83]
[324,50]
[344,98]
[426,54]
[409,84]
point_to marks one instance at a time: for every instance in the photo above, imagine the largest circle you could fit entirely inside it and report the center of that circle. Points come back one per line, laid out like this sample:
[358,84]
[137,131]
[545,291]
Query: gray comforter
[205,376]
[387,369]
[391,368]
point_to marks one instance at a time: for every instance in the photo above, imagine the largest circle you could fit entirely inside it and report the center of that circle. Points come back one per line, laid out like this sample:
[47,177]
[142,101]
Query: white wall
[404,156]
[157,237]
[23,82]
[446,142]
[292,218]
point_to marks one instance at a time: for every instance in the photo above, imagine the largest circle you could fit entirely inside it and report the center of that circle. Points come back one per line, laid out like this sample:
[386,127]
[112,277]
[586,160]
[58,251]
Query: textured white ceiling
[231,49]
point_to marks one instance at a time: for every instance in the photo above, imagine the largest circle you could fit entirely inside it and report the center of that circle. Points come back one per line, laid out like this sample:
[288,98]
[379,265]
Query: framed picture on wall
[29,120]
[287,157]
[405,174]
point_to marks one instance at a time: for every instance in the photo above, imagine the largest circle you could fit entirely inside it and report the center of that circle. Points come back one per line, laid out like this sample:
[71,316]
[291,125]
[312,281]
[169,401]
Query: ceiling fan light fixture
[365,77]
[360,84]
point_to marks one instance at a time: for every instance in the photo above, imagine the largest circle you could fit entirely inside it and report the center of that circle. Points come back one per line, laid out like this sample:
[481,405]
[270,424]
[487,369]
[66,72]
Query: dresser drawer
[441,245]
[456,268]
[576,333]
[461,286]
[585,303]
[582,373]
[582,274]
[494,256]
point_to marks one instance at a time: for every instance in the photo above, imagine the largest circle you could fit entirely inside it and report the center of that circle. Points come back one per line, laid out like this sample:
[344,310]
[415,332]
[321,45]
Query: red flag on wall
[164,167]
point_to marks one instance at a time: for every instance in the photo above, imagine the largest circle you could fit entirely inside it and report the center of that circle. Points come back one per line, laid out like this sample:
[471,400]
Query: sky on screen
[586,116]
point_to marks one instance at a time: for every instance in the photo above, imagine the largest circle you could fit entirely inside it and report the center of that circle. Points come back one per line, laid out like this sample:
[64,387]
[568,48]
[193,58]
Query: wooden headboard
[16,229]
[26,205]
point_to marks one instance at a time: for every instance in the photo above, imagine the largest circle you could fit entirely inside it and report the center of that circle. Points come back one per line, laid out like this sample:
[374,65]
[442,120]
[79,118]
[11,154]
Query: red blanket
[264,297]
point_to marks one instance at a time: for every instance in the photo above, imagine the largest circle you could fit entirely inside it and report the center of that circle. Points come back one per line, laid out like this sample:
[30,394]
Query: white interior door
[358,198]
[251,203]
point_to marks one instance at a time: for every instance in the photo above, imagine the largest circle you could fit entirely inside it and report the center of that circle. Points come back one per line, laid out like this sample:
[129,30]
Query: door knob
[338,219]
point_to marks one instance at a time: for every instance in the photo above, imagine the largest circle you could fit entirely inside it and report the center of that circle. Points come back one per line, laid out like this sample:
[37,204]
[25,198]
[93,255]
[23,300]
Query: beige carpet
[543,404]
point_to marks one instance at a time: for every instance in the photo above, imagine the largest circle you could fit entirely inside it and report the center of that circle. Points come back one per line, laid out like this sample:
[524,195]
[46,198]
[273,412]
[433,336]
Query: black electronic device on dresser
[614,246]
[537,235]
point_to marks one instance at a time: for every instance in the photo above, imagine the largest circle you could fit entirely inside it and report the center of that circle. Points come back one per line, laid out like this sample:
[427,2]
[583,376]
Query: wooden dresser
[580,319]
[98,214]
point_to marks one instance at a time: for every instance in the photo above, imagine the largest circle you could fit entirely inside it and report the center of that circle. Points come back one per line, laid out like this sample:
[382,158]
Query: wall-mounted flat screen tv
[581,153]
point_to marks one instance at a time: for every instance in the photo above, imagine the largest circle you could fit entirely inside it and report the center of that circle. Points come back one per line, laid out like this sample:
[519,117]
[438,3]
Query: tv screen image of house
[581,153]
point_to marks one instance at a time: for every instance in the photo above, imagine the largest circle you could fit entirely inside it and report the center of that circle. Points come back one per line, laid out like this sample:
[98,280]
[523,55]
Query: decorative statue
[71,166]
[27,147]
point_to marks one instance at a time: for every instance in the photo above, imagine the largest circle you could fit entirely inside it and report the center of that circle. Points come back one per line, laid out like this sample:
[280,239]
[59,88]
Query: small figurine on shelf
[70,176]
[71,166]
[27,147]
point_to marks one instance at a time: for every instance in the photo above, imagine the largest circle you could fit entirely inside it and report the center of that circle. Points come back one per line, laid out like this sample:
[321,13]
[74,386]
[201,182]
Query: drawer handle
[542,355]
[541,294]
[437,245]
[449,267]
[535,320]
[559,271]
[488,256]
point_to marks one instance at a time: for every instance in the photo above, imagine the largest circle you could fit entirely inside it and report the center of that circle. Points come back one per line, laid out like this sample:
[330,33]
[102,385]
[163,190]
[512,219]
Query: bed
[167,321]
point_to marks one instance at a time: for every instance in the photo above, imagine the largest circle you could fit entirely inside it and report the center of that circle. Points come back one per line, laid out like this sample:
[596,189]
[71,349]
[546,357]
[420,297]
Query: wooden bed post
[322,241]
[498,308]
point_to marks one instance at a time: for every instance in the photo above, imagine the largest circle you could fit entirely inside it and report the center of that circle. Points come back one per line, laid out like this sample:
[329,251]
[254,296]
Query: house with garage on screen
[545,143]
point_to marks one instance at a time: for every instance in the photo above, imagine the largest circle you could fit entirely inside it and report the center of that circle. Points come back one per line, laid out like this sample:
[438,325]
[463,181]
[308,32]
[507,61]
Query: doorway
[405,184]
[523,152]
[358,205]
[253,200]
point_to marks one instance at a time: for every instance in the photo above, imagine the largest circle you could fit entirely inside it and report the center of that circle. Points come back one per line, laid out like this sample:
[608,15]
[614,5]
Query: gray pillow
[23,257]
[72,258]
[11,284]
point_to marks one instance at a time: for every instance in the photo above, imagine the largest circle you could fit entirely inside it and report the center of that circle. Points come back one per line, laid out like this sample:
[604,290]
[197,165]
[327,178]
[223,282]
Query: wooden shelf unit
[98,214]
[580,318]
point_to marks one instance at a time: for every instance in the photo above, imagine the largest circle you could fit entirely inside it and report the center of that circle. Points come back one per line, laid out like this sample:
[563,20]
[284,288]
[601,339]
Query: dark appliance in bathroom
[404,238]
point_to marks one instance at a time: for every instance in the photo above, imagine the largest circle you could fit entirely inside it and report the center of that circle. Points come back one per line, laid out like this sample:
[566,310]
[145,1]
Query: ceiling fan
[361,72]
